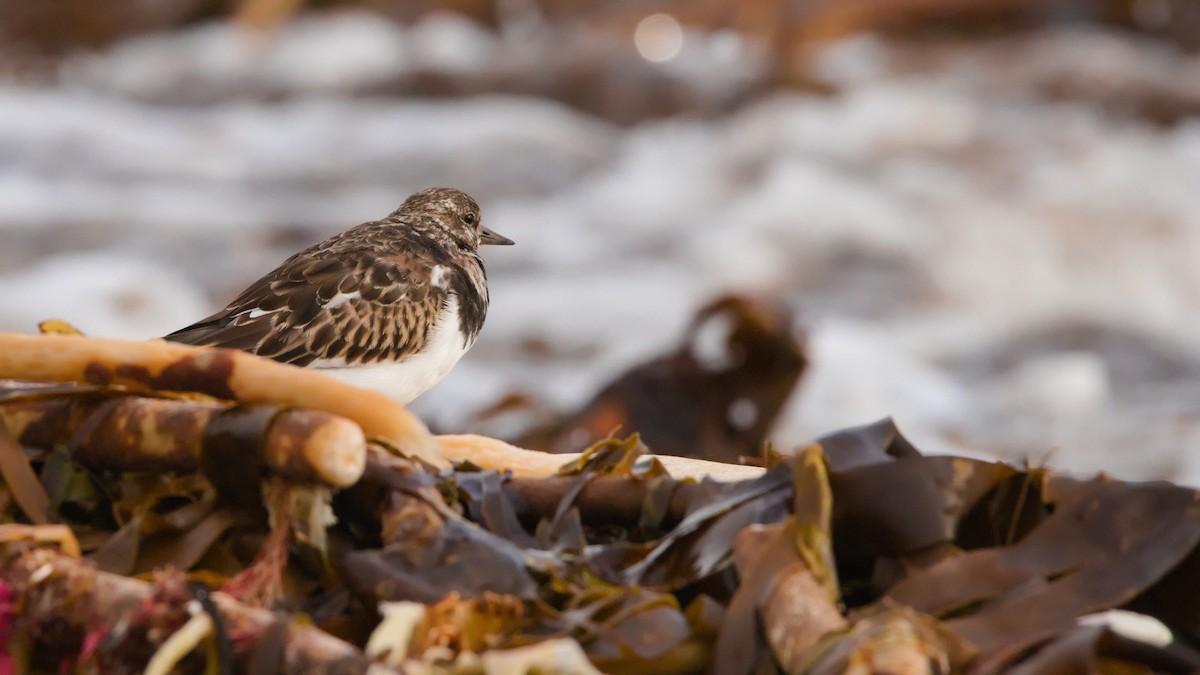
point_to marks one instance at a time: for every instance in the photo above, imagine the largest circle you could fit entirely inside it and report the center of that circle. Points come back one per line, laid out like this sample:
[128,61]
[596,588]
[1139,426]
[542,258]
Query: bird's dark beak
[486,236]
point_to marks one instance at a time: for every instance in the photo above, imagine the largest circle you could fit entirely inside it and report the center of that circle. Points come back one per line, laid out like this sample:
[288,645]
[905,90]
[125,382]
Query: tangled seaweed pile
[178,509]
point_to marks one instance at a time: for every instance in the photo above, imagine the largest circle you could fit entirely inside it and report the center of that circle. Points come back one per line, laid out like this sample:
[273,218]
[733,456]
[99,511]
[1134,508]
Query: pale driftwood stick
[686,467]
[223,373]
[53,589]
[497,455]
[234,375]
[134,433]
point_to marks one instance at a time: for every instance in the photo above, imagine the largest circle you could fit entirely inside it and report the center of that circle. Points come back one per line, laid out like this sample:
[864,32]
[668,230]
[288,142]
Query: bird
[390,305]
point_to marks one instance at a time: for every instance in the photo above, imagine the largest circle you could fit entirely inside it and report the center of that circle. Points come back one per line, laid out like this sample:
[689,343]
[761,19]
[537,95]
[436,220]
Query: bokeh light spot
[658,37]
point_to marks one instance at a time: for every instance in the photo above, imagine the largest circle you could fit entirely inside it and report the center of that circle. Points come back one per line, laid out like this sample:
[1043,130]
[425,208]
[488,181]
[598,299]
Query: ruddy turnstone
[391,304]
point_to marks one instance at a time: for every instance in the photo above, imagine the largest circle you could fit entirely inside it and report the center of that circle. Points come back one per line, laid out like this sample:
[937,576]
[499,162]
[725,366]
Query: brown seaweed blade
[892,501]
[456,557]
[895,511]
[701,544]
[428,551]
[633,630]
[1104,544]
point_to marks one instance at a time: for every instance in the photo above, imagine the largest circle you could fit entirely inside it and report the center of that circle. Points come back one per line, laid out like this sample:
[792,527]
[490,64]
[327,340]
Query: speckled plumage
[372,295]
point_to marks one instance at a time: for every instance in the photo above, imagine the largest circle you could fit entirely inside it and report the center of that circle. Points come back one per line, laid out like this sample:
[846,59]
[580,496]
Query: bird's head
[452,211]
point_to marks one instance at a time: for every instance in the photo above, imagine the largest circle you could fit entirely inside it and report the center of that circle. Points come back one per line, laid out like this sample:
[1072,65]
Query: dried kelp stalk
[226,374]
[69,607]
[111,431]
[789,582]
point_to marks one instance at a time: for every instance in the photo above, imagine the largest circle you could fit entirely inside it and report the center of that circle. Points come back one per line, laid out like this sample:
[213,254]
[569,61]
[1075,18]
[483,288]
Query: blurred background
[981,217]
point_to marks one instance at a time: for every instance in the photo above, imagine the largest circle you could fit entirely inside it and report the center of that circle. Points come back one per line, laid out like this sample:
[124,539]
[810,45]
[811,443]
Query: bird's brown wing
[352,307]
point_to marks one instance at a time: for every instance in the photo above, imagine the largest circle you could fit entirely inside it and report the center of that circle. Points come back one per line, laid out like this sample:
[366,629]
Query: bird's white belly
[408,379]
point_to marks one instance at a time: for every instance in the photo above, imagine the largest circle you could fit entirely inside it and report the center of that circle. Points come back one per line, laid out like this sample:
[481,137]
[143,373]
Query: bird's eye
[470,218]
